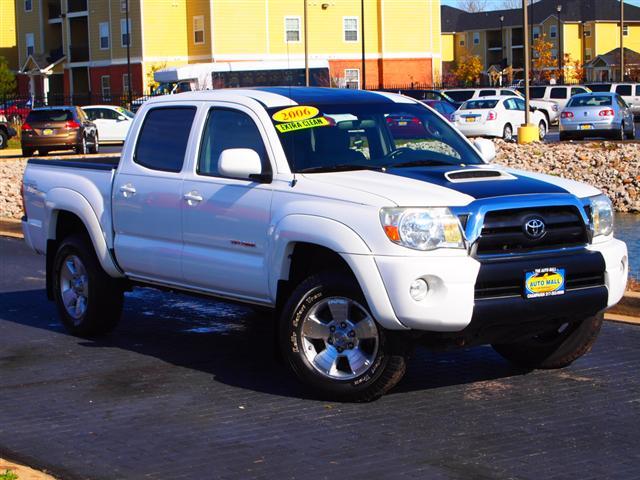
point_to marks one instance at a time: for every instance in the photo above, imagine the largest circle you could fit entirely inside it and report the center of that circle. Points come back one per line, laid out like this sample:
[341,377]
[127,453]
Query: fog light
[419,289]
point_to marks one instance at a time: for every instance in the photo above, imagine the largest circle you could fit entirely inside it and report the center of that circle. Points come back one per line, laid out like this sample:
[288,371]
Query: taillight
[566,114]
[492,115]
[71,124]
[415,120]
[608,112]
[26,127]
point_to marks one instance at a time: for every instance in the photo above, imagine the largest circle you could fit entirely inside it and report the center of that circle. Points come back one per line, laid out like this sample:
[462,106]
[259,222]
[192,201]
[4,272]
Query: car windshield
[479,104]
[367,136]
[125,112]
[590,101]
[49,116]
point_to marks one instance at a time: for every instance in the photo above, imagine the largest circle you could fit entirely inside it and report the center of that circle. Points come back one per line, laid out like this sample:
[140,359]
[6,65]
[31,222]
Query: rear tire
[554,349]
[81,149]
[507,133]
[89,302]
[619,134]
[94,148]
[4,139]
[542,130]
[632,133]
[333,344]
[43,152]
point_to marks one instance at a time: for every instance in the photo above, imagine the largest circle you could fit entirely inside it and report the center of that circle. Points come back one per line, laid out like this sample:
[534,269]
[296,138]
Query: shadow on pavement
[234,344]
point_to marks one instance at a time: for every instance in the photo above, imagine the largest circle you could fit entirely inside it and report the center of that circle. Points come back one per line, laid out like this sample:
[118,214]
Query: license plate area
[471,119]
[47,131]
[544,282]
[586,126]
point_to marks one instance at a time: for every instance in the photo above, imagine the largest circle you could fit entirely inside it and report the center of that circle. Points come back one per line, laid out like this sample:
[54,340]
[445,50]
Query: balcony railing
[77,5]
[54,9]
[79,53]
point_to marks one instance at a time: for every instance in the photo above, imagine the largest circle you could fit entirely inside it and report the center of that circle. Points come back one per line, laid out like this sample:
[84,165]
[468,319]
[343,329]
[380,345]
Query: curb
[23,473]
[11,227]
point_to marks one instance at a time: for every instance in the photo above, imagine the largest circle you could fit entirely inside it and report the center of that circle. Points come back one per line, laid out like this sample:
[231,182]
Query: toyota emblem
[534,228]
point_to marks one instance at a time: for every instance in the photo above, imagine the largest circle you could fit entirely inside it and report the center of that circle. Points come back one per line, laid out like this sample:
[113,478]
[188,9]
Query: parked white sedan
[496,117]
[113,122]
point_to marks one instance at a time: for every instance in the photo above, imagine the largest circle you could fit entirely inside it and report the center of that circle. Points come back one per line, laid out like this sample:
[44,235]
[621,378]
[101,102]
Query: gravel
[612,167]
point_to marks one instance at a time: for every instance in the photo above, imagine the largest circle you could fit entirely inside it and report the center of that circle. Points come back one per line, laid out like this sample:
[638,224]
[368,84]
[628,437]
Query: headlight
[422,228]
[601,215]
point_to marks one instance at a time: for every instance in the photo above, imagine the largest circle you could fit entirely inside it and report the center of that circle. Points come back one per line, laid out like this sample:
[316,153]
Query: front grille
[503,230]
[506,277]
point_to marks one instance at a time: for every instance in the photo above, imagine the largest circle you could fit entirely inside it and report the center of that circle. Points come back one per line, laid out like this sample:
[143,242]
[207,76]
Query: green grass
[8,475]
[12,143]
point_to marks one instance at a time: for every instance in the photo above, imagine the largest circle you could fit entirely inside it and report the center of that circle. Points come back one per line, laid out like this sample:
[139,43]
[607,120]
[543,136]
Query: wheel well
[67,224]
[305,260]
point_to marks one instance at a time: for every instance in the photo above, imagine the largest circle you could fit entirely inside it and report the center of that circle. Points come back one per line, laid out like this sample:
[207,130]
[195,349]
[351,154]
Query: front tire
[89,302]
[4,140]
[81,149]
[333,344]
[542,130]
[95,147]
[554,349]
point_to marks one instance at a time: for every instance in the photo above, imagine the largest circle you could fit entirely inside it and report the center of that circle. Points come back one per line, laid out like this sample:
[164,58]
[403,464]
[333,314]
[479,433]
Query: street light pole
[622,40]
[525,31]
[306,46]
[502,52]
[560,49]
[364,66]
[126,7]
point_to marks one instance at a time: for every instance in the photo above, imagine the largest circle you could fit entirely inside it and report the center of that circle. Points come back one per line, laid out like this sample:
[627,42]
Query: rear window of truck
[163,138]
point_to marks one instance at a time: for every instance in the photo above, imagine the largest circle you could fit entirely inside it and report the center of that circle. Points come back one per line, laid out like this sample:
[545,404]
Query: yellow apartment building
[79,46]
[584,29]
[8,44]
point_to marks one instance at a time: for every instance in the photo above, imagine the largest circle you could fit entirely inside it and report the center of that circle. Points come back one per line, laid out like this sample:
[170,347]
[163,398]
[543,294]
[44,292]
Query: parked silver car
[603,114]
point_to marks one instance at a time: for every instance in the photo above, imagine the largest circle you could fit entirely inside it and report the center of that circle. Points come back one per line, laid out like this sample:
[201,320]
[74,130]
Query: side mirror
[242,163]
[486,149]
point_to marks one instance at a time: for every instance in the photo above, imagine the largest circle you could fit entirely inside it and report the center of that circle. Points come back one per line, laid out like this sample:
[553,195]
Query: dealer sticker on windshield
[544,282]
[298,118]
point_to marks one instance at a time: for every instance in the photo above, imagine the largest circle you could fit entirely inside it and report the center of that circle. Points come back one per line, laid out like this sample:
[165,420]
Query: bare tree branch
[473,5]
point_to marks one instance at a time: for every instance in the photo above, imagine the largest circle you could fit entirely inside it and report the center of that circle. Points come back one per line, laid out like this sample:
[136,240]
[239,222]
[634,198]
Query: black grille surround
[503,231]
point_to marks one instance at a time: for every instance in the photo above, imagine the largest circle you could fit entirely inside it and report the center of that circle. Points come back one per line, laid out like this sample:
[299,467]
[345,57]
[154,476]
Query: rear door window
[624,90]
[163,138]
[600,87]
[577,91]
[486,93]
[536,92]
[558,92]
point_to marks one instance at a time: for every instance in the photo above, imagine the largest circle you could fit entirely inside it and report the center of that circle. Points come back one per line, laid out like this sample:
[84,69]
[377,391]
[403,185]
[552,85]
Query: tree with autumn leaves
[544,64]
[468,68]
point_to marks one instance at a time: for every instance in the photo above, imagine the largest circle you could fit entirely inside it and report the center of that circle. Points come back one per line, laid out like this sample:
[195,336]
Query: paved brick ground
[191,389]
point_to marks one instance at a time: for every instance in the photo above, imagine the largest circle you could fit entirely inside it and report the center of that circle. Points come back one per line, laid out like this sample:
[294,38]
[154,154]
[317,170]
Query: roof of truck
[283,96]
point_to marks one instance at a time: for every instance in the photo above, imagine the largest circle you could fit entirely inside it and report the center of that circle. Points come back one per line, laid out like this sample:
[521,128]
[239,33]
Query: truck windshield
[367,136]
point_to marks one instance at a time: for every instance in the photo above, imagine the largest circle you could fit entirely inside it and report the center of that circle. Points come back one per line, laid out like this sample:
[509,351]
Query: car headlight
[601,215]
[422,228]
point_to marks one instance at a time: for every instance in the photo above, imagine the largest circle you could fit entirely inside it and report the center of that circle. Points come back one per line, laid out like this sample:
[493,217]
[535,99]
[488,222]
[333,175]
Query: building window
[587,31]
[104,36]
[587,54]
[352,78]
[30,43]
[476,38]
[125,32]
[125,82]
[105,87]
[553,31]
[350,26]
[198,30]
[625,30]
[292,29]
[28,5]
[123,6]
[462,42]
[536,32]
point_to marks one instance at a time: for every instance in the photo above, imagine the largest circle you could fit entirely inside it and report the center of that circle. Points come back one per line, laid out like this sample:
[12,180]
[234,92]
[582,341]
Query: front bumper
[459,285]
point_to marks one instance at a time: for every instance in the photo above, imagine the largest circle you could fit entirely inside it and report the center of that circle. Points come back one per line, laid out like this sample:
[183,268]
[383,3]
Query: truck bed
[94,163]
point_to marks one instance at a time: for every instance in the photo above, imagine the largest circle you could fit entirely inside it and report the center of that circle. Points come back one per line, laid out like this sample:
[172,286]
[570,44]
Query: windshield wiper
[340,167]
[417,163]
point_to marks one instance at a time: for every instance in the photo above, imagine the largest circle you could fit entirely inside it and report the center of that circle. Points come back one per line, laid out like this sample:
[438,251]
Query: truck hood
[439,186]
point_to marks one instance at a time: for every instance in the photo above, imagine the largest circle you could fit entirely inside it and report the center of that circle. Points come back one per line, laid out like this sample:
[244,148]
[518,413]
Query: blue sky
[496,4]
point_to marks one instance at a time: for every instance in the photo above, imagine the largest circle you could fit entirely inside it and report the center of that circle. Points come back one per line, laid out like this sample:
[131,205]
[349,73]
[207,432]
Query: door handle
[128,190]
[193,197]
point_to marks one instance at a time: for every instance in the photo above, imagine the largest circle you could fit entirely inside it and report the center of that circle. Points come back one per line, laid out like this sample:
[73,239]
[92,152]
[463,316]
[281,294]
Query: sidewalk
[11,153]
[23,473]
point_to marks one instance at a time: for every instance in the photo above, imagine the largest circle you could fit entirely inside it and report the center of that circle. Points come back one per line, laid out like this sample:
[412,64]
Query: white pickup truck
[363,219]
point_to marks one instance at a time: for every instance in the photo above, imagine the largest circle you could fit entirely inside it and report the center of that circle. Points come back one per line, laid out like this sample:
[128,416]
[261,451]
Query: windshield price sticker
[302,124]
[297,113]
[544,282]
